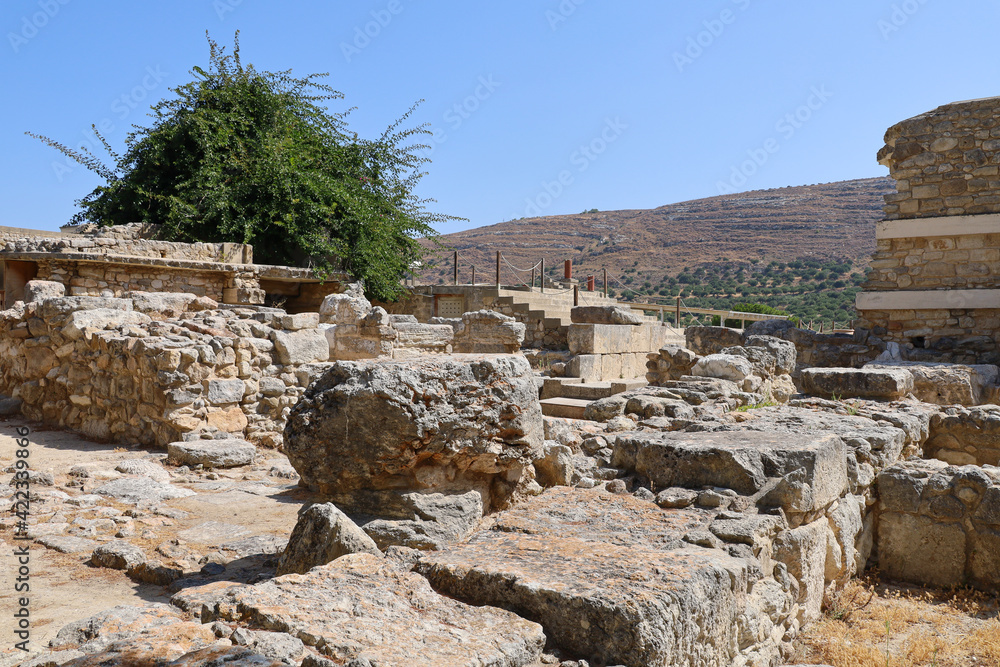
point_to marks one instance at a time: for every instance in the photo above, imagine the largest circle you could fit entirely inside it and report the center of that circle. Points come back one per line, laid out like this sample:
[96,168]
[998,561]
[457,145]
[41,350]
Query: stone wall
[939,525]
[104,367]
[108,243]
[943,161]
[934,283]
[116,280]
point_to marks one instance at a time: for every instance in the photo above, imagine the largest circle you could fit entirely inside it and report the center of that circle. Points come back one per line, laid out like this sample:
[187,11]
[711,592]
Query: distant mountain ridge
[830,221]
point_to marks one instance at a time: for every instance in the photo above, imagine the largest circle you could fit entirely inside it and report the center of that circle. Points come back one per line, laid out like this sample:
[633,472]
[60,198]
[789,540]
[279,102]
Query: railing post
[576,295]
[677,316]
[498,269]
[532,280]
[605,283]
[542,277]
[473,275]
[456,267]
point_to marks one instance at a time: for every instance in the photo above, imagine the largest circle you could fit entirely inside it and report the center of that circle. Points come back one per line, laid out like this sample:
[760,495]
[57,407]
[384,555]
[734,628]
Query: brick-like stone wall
[966,262]
[944,161]
[115,280]
[939,525]
[933,286]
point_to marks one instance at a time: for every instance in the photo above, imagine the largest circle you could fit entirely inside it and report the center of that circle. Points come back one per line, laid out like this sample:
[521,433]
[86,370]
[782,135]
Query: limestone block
[605,315]
[163,304]
[80,321]
[438,520]
[607,576]
[871,383]
[301,347]
[434,424]
[347,308]
[361,607]
[948,384]
[711,340]
[56,310]
[812,467]
[299,321]
[920,550]
[614,338]
[723,366]
[803,551]
[431,336]
[223,392]
[39,290]
[213,453]
[323,533]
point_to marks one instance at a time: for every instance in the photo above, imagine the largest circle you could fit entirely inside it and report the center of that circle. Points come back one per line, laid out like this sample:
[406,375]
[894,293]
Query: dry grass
[876,624]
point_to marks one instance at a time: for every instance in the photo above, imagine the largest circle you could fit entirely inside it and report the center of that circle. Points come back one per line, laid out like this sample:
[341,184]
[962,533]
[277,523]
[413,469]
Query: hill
[787,247]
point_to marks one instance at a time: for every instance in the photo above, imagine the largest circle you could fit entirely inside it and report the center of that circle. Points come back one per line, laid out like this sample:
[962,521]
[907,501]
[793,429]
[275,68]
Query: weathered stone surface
[948,384]
[672,362]
[100,318]
[302,347]
[143,468]
[803,551]
[141,490]
[965,436]
[117,555]
[366,430]
[783,351]
[610,587]
[67,544]
[213,453]
[723,366]
[299,321]
[605,409]
[438,520]
[938,524]
[360,609]
[812,468]
[323,533]
[115,624]
[604,315]
[214,533]
[555,467]
[160,305]
[711,340]
[223,392]
[488,332]
[170,645]
[39,290]
[872,383]
[346,308]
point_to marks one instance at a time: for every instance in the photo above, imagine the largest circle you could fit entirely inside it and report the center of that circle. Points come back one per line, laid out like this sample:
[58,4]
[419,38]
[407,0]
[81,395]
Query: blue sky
[538,107]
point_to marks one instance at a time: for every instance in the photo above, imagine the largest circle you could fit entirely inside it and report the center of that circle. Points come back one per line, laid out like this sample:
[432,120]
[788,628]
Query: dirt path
[228,507]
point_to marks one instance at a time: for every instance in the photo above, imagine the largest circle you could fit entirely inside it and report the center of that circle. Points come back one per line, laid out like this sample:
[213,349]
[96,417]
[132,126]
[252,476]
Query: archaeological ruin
[280,472]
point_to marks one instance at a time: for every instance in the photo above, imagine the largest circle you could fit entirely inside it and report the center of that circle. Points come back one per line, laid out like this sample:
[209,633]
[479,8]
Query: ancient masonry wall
[116,280]
[934,284]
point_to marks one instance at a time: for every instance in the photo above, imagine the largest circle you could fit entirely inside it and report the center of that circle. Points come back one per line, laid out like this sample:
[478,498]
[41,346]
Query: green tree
[248,156]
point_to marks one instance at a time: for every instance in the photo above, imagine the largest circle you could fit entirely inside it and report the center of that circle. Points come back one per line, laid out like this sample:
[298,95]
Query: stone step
[553,387]
[567,408]
[621,386]
[588,391]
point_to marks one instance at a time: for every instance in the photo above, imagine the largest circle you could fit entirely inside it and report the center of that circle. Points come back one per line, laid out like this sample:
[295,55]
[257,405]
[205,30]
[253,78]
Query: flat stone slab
[948,384]
[141,490]
[810,470]
[67,544]
[213,453]
[213,533]
[361,607]
[882,384]
[615,604]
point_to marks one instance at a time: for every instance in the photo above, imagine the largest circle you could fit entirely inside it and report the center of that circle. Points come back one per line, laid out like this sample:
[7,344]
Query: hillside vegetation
[802,249]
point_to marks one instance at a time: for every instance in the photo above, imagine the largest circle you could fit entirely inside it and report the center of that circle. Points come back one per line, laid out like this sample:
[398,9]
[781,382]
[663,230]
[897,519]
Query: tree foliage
[256,157]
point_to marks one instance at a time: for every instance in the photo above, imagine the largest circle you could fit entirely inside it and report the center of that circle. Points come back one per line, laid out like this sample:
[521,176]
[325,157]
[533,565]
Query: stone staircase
[569,397]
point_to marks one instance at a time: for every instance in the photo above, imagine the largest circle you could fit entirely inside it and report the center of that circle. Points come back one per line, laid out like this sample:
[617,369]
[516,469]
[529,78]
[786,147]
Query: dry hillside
[833,221]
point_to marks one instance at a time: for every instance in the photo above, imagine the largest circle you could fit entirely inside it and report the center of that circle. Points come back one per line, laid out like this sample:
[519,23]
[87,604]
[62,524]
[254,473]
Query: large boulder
[323,533]
[873,383]
[369,430]
[723,366]
[488,332]
[39,290]
[347,308]
[229,453]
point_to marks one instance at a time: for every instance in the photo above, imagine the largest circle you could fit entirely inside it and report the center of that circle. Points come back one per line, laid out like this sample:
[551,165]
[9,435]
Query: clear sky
[538,106]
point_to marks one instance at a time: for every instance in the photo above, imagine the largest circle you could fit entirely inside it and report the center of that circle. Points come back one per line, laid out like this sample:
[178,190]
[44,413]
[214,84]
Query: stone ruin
[701,520]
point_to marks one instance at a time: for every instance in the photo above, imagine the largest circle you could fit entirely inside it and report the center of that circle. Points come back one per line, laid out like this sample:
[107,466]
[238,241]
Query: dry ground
[880,624]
